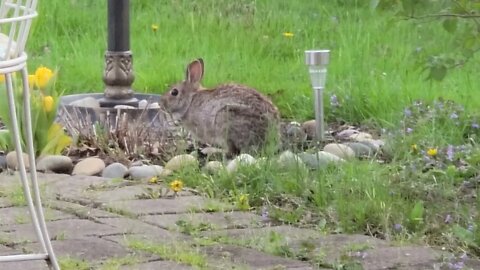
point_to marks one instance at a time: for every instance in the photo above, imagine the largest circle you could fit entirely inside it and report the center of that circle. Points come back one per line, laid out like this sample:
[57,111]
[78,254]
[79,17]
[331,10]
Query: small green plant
[67,263]
[116,263]
[48,136]
[177,252]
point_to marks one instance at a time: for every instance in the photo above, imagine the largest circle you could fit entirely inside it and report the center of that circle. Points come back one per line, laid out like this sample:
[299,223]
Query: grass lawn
[374,73]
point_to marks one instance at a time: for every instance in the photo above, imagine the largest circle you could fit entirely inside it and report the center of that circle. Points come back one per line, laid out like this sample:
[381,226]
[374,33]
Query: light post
[118,74]
[317,61]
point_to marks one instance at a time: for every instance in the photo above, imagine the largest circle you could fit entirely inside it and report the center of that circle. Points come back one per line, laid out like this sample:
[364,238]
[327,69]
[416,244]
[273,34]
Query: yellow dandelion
[176,185]
[154,27]
[432,152]
[2,78]
[43,76]
[153,180]
[48,103]
[288,34]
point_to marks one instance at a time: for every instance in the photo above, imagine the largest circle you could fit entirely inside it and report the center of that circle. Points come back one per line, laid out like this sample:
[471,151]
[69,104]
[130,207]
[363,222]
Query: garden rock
[376,145]
[55,163]
[309,127]
[319,160]
[142,172]
[12,160]
[154,105]
[88,102]
[142,104]
[115,170]
[288,159]
[181,161]
[213,167]
[346,134]
[3,163]
[360,136]
[136,163]
[212,152]
[361,149]
[241,160]
[339,150]
[123,107]
[89,166]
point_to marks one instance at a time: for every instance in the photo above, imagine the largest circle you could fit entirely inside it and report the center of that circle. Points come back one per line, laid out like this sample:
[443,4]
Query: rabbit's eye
[174,92]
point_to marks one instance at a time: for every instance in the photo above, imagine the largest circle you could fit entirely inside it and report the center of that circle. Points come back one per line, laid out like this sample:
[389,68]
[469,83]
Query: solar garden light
[317,61]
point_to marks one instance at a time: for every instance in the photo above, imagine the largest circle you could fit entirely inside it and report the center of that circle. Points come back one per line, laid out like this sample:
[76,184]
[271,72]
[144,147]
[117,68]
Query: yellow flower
[32,81]
[243,202]
[154,27]
[153,180]
[43,76]
[288,34]
[2,78]
[176,185]
[432,152]
[48,103]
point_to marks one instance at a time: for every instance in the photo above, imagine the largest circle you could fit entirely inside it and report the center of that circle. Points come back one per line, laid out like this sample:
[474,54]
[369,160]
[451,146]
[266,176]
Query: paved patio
[106,222]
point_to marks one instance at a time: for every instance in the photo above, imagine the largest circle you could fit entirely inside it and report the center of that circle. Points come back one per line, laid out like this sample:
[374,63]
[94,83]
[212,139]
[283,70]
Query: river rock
[3,163]
[319,160]
[55,163]
[213,167]
[89,166]
[181,161]
[289,159]
[361,149]
[115,170]
[12,160]
[376,145]
[295,133]
[88,102]
[240,160]
[339,150]
[142,172]
[360,136]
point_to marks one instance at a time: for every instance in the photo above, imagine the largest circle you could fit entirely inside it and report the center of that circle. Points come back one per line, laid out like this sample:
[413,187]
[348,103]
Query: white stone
[88,102]
[360,136]
[340,150]
[89,166]
[115,170]
[142,104]
[55,163]
[12,160]
[240,160]
[213,167]
[181,161]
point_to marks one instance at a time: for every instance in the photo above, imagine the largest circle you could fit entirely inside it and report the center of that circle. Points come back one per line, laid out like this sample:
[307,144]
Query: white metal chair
[15,20]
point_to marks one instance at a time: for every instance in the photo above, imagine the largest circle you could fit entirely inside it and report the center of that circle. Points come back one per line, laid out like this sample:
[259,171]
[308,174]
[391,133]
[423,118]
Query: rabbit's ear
[195,71]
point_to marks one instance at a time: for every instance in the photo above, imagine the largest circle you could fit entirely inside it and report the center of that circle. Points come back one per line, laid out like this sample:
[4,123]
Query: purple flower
[409,130]
[334,101]
[453,116]
[475,125]
[456,266]
[448,219]
[397,227]
[470,227]
[450,152]
[407,112]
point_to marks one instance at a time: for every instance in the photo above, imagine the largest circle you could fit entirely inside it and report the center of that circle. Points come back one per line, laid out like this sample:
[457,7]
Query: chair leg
[33,171]
[21,165]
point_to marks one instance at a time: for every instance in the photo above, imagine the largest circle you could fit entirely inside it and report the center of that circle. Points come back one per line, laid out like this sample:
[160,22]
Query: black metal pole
[118,75]
[118,25]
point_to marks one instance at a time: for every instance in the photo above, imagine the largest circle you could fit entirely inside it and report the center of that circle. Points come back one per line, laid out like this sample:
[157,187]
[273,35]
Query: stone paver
[19,215]
[93,218]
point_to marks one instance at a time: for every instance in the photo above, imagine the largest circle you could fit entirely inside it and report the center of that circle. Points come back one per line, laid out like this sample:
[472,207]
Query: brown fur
[232,116]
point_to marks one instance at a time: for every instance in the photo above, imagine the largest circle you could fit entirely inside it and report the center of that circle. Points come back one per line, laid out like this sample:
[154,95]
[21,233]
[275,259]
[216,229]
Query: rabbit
[234,117]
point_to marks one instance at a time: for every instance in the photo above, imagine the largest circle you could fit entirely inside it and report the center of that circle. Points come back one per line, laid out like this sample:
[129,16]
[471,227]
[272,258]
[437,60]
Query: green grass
[372,69]
[374,72]
[177,252]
